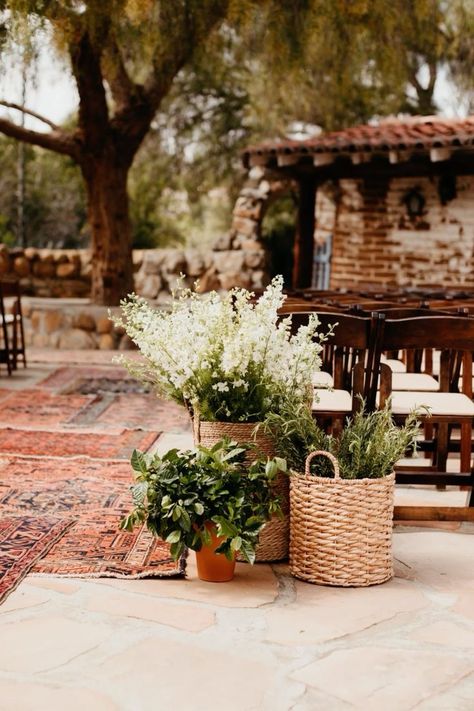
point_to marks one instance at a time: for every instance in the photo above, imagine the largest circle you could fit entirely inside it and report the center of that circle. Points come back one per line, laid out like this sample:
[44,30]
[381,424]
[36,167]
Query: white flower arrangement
[227,357]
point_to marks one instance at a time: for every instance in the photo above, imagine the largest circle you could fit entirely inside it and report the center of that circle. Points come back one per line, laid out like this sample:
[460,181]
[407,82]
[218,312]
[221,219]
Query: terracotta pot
[211,566]
[274,536]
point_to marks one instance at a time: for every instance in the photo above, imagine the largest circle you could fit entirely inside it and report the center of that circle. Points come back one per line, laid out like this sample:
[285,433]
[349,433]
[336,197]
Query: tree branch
[93,110]
[56,141]
[29,112]
[433,71]
[116,75]
[180,36]
[181,32]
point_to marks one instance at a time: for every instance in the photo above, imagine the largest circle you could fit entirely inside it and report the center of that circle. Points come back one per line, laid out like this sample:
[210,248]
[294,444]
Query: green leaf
[173,537]
[126,524]
[199,509]
[225,527]
[233,453]
[247,551]
[177,549]
[166,502]
[138,462]
[139,492]
[206,536]
[281,464]
[236,543]
[185,520]
[271,469]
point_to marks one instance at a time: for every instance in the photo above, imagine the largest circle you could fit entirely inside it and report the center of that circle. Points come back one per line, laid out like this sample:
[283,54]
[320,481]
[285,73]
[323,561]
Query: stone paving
[263,641]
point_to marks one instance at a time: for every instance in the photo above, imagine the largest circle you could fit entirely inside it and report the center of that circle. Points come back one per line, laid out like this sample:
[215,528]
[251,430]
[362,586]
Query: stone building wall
[67,273]
[375,241]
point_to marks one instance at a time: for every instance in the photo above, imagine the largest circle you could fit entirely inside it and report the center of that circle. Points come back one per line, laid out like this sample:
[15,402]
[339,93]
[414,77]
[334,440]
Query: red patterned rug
[95,495]
[23,540]
[40,409]
[74,444]
[70,379]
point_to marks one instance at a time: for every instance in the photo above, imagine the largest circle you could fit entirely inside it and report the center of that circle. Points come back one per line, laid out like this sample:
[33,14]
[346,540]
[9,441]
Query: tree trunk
[111,235]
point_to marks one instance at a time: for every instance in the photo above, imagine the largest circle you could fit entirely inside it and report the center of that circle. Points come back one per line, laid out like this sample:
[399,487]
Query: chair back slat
[354,341]
[440,332]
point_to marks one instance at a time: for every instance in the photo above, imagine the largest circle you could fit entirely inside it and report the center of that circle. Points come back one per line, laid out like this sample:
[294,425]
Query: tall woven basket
[274,536]
[341,529]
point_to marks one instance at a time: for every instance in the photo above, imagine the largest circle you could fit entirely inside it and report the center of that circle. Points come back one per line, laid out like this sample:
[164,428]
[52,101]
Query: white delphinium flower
[227,356]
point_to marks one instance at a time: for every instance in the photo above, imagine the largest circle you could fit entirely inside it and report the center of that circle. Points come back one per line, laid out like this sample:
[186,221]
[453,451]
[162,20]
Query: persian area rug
[40,409]
[74,444]
[69,378]
[23,541]
[95,495]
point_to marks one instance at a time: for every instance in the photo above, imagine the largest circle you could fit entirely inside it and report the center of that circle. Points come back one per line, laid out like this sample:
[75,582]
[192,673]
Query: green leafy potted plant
[341,494]
[231,360]
[206,500]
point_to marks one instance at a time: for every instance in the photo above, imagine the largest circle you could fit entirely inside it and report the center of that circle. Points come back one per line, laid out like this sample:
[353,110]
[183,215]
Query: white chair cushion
[414,381]
[443,404]
[321,379]
[397,366]
[332,401]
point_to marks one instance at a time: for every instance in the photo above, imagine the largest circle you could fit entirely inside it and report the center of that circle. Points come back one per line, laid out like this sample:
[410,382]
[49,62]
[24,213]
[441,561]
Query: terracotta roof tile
[391,134]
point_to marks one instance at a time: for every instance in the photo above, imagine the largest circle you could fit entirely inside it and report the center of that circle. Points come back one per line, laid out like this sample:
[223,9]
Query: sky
[53,93]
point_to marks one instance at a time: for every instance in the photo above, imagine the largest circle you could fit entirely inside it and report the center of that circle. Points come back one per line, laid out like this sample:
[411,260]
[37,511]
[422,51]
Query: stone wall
[374,241]
[70,325]
[67,274]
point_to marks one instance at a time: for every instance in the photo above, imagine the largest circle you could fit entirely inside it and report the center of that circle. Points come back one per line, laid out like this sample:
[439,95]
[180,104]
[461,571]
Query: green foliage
[296,434]
[369,446]
[178,493]
[6,235]
[54,209]
[371,443]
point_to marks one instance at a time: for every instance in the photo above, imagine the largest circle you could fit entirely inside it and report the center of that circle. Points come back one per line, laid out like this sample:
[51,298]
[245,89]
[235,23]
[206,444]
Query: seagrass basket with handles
[274,536]
[341,529]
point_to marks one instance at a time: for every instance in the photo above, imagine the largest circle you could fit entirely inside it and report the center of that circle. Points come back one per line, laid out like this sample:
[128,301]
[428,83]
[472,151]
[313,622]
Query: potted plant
[204,499]
[231,360]
[341,495]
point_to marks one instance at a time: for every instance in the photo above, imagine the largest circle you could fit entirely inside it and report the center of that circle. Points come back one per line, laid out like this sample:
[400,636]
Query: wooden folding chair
[353,343]
[5,356]
[12,321]
[454,337]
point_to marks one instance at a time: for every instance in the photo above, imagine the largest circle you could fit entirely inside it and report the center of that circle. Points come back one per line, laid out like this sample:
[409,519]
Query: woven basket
[274,536]
[341,529]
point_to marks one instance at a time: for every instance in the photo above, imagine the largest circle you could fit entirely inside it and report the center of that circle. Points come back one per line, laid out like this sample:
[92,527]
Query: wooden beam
[434,513]
[288,159]
[358,158]
[304,236]
[323,159]
[439,154]
[256,159]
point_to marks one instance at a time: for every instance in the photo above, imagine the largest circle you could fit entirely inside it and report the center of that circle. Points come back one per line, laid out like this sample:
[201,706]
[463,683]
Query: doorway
[278,234]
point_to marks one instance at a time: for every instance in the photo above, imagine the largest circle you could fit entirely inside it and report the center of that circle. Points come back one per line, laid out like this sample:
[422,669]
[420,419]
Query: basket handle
[330,456]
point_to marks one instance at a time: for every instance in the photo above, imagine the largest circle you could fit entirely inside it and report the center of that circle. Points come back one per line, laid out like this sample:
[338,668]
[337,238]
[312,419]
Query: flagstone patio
[263,641]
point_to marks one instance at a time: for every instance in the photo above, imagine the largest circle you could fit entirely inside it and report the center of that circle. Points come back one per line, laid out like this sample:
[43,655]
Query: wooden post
[304,237]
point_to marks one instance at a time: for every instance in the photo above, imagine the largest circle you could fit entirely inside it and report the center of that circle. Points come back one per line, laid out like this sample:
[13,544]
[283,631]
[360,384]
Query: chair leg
[15,347]
[428,434]
[466,437]
[441,454]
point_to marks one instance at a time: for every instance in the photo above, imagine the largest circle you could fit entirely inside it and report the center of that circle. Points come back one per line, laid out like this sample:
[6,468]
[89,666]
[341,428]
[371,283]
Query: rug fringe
[180,572]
